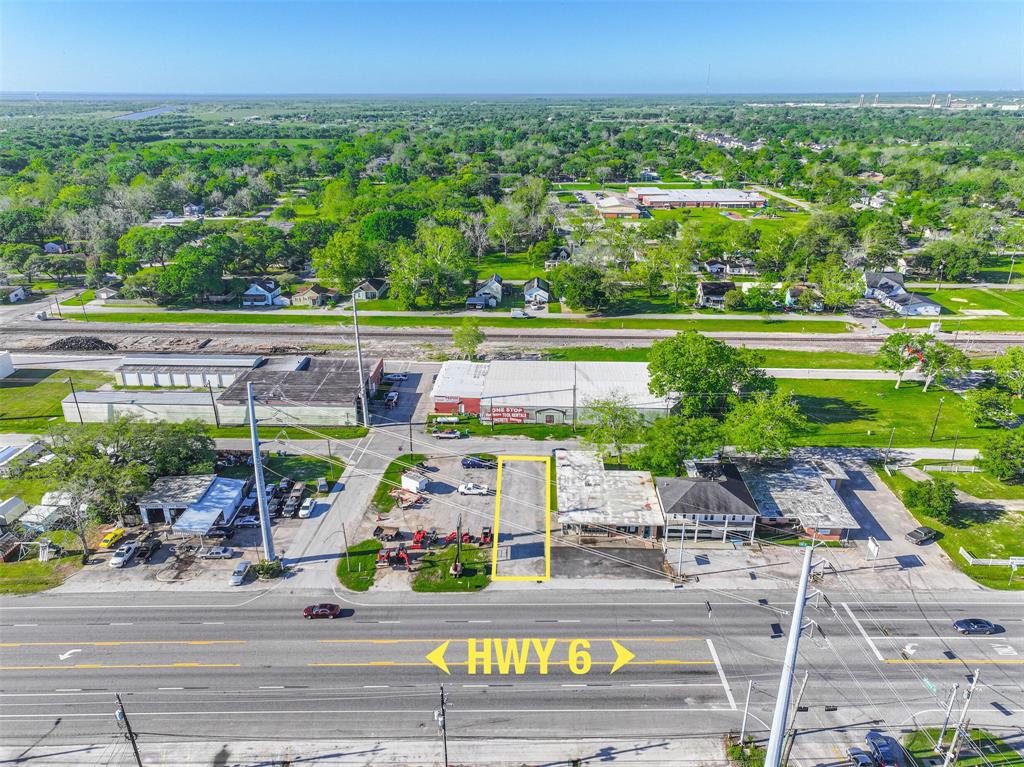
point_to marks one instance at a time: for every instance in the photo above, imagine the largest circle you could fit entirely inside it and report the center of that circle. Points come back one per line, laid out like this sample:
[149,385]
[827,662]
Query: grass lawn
[30,399]
[270,431]
[710,325]
[514,266]
[84,298]
[432,570]
[959,300]
[710,220]
[773,358]
[967,324]
[531,430]
[299,468]
[995,752]
[382,502]
[862,413]
[979,484]
[29,490]
[983,533]
[999,271]
[31,575]
[357,570]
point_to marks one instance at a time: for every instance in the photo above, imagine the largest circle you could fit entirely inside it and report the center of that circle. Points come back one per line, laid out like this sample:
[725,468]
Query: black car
[219,533]
[285,484]
[149,547]
[919,536]
[475,462]
[975,626]
[882,749]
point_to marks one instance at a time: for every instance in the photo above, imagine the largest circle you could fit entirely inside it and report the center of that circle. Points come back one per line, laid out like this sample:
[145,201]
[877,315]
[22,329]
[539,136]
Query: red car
[326,610]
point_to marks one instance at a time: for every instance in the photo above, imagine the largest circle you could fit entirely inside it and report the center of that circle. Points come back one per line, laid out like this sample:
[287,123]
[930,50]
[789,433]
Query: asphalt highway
[245,665]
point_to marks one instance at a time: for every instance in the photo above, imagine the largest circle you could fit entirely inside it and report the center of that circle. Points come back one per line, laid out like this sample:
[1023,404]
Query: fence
[954,468]
[973,560]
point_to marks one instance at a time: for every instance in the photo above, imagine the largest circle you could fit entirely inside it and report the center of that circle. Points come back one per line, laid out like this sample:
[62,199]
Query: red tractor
[486,537]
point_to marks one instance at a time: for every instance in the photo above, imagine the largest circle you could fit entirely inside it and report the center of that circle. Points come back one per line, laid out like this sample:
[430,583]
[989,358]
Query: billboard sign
[509,415]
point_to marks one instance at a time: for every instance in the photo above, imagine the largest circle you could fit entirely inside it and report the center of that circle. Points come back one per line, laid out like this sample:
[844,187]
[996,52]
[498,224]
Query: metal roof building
[196,370]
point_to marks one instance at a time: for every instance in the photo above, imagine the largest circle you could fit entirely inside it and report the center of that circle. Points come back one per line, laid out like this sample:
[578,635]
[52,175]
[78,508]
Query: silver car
[215,552]
[239,573]
[124,554]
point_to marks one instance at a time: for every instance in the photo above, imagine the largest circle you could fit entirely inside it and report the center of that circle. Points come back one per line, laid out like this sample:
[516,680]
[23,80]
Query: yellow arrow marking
[622,656]
[436,657]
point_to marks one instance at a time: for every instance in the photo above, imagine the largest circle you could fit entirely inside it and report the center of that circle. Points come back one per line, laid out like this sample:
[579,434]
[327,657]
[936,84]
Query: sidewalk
[390,752]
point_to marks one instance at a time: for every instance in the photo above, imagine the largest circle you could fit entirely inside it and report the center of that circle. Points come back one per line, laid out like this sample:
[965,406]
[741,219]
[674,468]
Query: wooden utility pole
[122,718]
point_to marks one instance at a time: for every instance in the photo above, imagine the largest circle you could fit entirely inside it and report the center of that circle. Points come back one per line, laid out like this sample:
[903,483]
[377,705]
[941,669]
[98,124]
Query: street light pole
[261,488]
[935,423]
[442,726]
[122,718]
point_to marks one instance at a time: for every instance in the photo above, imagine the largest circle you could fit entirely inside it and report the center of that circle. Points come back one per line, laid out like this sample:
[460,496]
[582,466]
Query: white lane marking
[69,689]
[573,685]
[475,685]
[721,674]
[863,633]
[170,688]
[566,621]
[68,654]
[389,621]
[272,687]
[122,624]
[375,686]
[307,712]
[477,621]
[675,684]
[1004,649]
[213,623]
[662,620]
[25,625]
[910,648]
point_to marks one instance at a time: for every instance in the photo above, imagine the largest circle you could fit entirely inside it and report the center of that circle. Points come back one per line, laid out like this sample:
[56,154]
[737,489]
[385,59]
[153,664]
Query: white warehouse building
[187,370]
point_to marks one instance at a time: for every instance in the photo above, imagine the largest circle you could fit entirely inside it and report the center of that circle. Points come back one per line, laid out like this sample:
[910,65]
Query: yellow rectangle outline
[547,521]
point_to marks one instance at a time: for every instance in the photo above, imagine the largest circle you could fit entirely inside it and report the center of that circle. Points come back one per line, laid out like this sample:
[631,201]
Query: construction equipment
[486,536]
[406,499]
[387,533]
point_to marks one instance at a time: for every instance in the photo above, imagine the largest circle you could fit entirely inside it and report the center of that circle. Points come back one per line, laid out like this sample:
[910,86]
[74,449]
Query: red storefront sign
[508,415]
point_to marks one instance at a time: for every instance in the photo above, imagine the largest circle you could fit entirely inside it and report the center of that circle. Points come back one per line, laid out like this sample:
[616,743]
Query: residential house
[794,293]
[537,291]
[617,207]
[12,294]
[711,502]
[888,289]
[217,212]
[649,174]
[263,293]
[740,265]
[715,266]
[105,294]
[371,289]
[193,209]
[711,295]
[314,295]
[491,291]
[56,247]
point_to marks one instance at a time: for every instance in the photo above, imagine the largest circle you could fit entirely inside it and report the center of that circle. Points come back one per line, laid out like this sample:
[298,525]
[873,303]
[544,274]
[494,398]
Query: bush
[935,498]
[1003,454]
[269,568]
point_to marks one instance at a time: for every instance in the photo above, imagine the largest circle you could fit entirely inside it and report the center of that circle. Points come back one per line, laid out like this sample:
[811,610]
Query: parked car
[919,536]
[286,484]
[859,757]
[881,748]
[475,462]
[124,554]
[520,314]
[322,485]
[245,522]
[307,508]
[215,552]
[112,537]
[148,548]
[448,433]
[975,626]
[240,572]
[391,399]
[325,610]
[395,377]
[219,533]
[472,488]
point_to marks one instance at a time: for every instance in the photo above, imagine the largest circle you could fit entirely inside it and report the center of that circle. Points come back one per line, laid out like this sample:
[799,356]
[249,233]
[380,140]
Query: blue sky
[491,46]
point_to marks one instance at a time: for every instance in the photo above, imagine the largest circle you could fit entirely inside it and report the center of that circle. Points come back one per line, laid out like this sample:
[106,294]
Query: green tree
[194,274]
[467,337]
[501,224]
[346,258]
[942,361]
[13,257]
[902,352]
[62,267]
[23,225]
[989,407]
[581,286]
[936,498]
[765,425]
[670,441]
[704,373]
[838,285]
[1002,454]
[1009,370]
[613,425]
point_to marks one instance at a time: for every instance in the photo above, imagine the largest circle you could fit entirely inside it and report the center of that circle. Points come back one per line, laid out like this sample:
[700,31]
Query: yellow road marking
[664,640]
[666,662]
[118,644]
[91,666]
[547,520]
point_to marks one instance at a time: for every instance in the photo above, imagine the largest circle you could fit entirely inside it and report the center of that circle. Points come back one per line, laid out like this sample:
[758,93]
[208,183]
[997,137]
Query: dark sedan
[882,749]
[325,610]
[975,626]
[474,462]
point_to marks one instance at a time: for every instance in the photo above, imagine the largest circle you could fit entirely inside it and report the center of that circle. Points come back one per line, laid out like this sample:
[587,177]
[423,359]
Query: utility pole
[888,449]
[945,721]
[773,754]
[935,423]
[960,730]
[261,488]
[792,731]
[574,397]
[1009,277]
[344,537]
[74,396]
[122,718]
[213,403]
[439,715]
[956,441]
[410,434]
[359,365]
[746,707]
